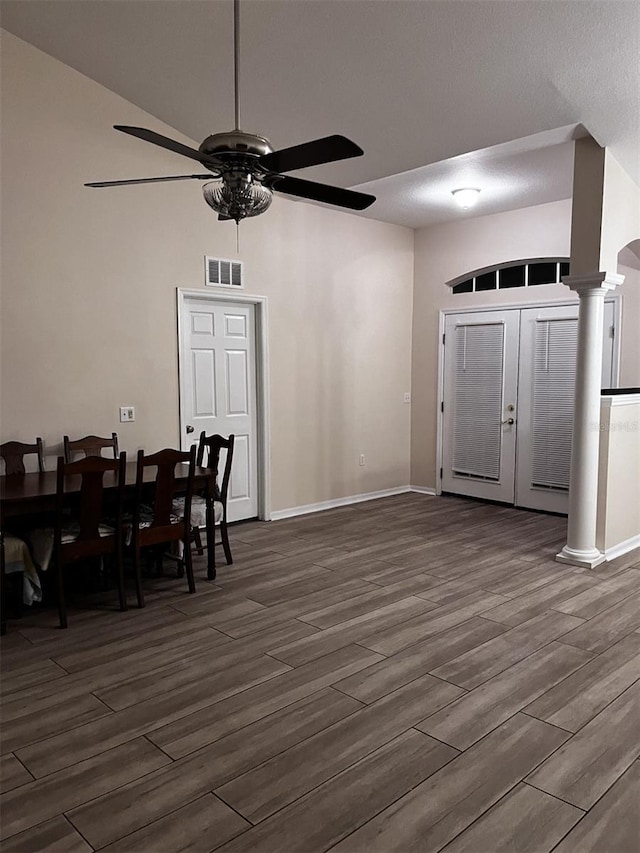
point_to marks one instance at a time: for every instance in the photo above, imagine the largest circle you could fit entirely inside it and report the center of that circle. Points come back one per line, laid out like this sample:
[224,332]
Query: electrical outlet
[406,398]
[361,461]
[127,414]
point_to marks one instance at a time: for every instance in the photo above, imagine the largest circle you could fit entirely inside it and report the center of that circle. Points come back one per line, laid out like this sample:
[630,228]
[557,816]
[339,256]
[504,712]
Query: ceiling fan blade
[325,150]
[162,141]
[222,218]
[150,180]
[322,192]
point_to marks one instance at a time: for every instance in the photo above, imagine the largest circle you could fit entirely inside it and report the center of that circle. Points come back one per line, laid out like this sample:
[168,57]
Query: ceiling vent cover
[220,272]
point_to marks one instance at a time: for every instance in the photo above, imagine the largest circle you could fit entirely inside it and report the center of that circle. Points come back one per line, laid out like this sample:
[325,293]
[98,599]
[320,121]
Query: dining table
[33,494]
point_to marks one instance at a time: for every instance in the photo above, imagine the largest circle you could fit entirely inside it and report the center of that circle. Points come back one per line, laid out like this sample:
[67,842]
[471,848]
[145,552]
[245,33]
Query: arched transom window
[530,273]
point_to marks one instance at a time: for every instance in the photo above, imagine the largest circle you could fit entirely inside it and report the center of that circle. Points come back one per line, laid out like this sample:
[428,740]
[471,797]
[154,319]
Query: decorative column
[580,549]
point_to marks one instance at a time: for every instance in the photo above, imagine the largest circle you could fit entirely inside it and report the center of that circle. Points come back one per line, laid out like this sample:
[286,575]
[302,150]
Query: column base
[587,559]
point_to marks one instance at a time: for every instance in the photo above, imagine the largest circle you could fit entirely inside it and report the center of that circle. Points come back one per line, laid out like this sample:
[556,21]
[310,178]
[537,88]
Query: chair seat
[146,517]
[198,511]
[72,531]
[42,539]
[146,520]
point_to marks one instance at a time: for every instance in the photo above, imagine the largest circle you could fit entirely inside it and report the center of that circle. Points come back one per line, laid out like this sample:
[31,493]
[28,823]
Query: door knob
[189,428]
[509,421]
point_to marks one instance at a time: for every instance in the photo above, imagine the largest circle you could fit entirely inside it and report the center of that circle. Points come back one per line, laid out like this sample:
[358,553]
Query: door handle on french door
[509,421]
[189,429]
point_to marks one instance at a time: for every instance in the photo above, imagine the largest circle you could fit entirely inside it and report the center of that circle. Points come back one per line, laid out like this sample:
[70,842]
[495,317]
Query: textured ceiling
[414,83]
[507,179]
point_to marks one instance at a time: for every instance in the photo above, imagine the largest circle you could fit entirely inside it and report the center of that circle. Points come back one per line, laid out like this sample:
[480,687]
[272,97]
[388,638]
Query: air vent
[223,273]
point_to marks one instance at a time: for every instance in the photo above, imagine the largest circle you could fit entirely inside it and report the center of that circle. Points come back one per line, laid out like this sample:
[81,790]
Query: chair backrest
[90,503]
[13,453]
[90,445]
[167,483]
[209,447]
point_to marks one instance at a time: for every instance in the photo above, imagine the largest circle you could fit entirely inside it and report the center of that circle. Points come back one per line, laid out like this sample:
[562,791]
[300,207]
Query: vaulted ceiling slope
[414,82]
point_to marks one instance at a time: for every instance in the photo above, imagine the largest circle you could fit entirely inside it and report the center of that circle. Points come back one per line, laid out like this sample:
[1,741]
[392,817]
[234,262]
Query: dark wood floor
[410,674]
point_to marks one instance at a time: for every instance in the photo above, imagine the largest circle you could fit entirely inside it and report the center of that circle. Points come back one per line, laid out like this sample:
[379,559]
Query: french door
[508,403]
[218,389]
[480,403]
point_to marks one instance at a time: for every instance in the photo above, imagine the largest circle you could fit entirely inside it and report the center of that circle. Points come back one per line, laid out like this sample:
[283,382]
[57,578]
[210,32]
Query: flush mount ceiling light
[466,197]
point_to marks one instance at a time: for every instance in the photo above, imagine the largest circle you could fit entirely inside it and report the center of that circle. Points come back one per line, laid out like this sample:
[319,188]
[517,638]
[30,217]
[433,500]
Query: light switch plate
[127,414]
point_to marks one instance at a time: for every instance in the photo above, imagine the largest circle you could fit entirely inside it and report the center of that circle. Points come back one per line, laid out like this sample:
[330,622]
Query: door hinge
[442,406]
[612,332]
[441,472]
[443,337]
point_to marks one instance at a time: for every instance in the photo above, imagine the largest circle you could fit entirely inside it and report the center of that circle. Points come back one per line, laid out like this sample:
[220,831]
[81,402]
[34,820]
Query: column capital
[588,282]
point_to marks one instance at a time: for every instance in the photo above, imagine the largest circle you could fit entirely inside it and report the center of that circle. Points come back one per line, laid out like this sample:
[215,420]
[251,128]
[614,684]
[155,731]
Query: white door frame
[262,382]
[615,298]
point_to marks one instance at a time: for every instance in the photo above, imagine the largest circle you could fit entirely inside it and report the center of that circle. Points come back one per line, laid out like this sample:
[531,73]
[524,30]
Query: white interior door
[480,404]
[218,389]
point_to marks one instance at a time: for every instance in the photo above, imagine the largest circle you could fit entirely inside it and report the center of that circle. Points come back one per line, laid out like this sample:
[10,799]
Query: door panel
[204,383]
[240,484]
[546,382]
[237,380]
[219,389]
[548,347]
[481,356]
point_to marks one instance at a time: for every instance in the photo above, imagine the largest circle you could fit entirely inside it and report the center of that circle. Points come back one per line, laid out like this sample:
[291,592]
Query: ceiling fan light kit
[237,197]
[247,168]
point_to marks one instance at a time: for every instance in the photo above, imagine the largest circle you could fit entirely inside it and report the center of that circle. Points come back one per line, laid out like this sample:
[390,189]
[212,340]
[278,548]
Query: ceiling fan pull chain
[236,59]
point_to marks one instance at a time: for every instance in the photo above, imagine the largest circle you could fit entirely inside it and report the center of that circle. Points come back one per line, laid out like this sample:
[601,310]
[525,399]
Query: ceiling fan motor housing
[235,142]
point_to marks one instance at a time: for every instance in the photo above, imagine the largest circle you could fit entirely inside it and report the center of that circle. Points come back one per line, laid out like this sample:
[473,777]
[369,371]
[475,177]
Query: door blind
[479,370]
[555,350]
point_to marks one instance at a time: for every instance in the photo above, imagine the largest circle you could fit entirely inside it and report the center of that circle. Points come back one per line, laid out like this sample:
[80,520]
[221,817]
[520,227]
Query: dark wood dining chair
[90,445]
[13,453]
[94,527]
[154,522]
[209,509]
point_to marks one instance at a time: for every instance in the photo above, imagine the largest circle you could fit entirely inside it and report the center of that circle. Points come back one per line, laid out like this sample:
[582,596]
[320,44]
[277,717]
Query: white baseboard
[337,502]
[423,490]
[622,548]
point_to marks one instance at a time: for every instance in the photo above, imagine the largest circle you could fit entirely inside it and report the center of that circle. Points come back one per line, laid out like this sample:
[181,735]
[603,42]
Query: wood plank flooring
[408,674]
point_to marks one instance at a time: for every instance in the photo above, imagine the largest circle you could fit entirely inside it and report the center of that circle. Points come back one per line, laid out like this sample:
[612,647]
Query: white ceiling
[416,83]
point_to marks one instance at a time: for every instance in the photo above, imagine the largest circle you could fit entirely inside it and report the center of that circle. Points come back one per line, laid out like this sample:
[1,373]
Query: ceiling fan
[247,168]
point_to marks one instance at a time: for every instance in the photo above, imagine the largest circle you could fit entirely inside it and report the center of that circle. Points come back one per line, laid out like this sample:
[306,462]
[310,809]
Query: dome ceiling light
[466,197]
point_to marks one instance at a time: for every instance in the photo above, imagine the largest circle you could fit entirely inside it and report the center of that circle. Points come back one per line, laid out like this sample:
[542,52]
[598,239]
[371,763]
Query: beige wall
[630,349]
[89,282]
[618,481]
[444,252]
[620,212]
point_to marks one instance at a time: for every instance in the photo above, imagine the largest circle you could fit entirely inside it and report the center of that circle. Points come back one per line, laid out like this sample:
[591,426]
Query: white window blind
[553,395]
[479,370]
